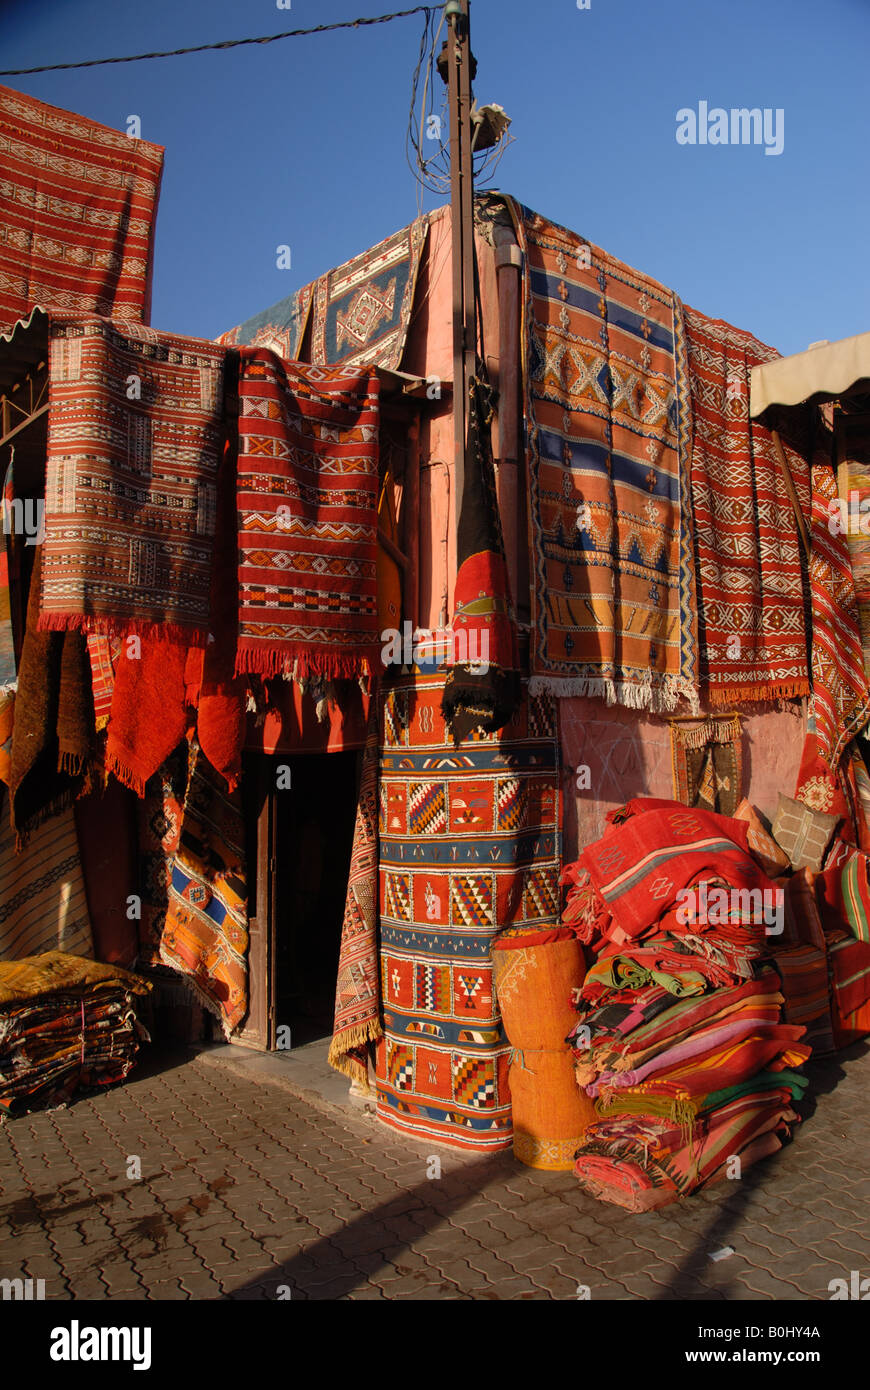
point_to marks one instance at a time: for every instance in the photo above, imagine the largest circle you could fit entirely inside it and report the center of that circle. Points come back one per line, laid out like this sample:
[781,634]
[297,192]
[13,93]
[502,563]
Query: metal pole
[462,211]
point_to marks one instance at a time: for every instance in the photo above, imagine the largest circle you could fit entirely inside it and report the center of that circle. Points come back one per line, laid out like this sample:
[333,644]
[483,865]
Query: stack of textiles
[65,1023]
[680,1042]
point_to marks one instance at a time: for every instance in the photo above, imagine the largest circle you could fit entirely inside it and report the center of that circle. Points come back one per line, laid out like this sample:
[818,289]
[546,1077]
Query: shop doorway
[300,816]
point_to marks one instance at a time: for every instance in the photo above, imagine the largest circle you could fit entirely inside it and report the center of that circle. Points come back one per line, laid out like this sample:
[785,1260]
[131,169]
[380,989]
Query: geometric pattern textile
[135,436]
[205,932]
[751,619]
[79,204]
[707,763]
[608,450]
[469,845]
[357,996]
[362,310]
[307,500]
[841,696]
[280,328]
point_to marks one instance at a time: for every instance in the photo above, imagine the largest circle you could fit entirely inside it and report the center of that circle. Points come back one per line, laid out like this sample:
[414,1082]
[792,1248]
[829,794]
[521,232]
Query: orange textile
[550,1112]
[534,988]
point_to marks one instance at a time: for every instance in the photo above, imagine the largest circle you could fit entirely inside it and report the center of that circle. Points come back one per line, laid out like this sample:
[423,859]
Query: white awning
[820,374]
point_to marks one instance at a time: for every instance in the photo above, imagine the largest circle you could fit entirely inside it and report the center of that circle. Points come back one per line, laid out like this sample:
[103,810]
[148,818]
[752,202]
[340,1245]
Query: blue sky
[302,142]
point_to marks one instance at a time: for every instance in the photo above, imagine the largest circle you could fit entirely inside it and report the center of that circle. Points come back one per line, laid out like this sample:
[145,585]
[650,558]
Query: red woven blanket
[751,625]
[79,202]
[307,498]
[134,440]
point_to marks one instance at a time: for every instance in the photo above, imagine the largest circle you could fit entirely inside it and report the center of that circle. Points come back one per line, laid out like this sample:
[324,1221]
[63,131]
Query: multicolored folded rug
[469,845]
[482,690]
[135,437]
[751,620]
[357,993]
[79,205]
[841,695]
[609,506]
[43,906]
[307,502]
[638,867]
[65,1023]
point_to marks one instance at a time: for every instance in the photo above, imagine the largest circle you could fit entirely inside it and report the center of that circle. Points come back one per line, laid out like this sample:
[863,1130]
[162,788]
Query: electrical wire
[428,10]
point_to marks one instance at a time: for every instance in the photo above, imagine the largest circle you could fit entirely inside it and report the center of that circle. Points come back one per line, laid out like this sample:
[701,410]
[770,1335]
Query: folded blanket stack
[680,1041]
[65,1023]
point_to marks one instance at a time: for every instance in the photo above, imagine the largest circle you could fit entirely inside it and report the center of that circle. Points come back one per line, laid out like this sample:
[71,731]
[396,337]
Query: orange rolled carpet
[550,1112]
[534,985]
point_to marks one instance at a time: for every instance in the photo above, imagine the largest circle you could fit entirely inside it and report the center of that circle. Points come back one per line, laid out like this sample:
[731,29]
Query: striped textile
[647,1163]
[841,696]
[639,867]
[43,905]
[608,453]
[130,481]
[307,503]
[849,966]
[845,894]
[747,551]
[79,205]
[803,971]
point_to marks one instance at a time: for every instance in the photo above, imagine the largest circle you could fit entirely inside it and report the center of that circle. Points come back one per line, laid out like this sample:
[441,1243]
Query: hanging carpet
[42,891]
[608,452]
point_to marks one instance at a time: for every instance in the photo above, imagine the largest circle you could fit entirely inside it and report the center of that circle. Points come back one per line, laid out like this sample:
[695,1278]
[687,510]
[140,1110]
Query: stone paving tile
[246,1186]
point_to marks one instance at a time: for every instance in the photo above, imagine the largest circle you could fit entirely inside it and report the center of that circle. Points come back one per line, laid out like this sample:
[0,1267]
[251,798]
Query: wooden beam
[792,492]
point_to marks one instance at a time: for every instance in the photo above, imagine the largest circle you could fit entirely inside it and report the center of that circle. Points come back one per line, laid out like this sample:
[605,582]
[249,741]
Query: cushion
[773,859]
[844,895]
[803,834]
[803,919]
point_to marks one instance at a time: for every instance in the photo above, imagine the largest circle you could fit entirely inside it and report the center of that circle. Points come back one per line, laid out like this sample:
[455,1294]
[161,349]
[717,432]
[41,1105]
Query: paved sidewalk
[248,1188]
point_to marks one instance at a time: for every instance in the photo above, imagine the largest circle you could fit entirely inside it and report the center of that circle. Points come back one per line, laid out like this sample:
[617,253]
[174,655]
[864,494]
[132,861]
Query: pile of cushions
[65,1023]
[681,1043]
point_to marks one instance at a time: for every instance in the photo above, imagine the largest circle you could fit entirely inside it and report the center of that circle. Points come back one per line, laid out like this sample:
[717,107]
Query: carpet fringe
[125,774]
[303,664]
[661,697]
[348,1038]
[89,623]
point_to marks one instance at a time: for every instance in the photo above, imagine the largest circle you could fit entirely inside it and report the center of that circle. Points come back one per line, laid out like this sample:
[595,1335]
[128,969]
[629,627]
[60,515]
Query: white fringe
[661,698]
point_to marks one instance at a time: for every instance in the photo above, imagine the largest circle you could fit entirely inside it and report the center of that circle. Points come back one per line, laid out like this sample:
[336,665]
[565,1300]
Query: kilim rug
[79,204]
[751,620]
[130,483]
[362,310]
[470,844]
[858,537]
[42,891]
[159,825]
[608,451]
[307,501]
[104,653]
[708,764]
[357,995]
[281,328]
[8,663]
[841,697]
[205,932]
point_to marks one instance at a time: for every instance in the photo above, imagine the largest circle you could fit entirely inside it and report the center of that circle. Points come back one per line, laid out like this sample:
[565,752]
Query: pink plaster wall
[630,755]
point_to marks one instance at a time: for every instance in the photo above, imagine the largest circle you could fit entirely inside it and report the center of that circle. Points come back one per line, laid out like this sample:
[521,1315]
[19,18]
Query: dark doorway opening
[314,821]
